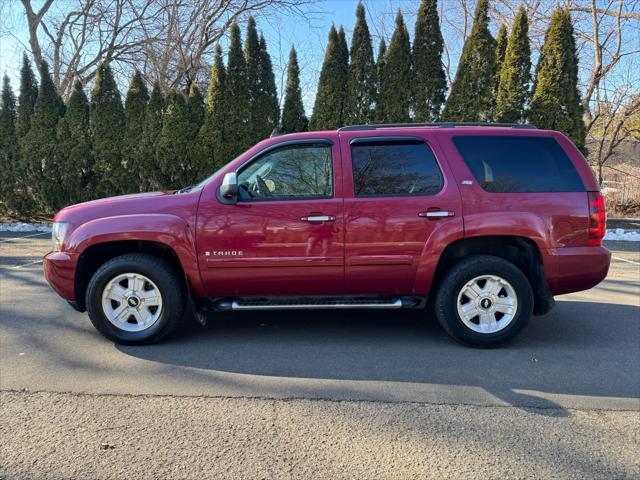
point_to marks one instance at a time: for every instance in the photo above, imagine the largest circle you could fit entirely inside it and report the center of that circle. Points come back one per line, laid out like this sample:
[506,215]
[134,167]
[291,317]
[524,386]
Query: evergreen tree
[73,152]
[237,135]
[430,82]
[293,116]
[108,132]
[196,113]
[515,74]
[471,96]
[361,84]
[173,144]
[27,98]
[382,51]
[8,144]
[396,83]
[263,98]
[148,160]
[252,58]
[501,48]
[135,106]
[331,95]
[210,154]
[38,147]
[555,103]
[267,107]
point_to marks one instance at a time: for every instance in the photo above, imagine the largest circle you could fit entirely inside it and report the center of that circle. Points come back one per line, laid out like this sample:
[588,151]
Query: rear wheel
[135,299]
[484,301]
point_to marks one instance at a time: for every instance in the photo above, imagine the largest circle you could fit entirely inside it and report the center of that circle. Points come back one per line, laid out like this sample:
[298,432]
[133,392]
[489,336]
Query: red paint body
[375,246]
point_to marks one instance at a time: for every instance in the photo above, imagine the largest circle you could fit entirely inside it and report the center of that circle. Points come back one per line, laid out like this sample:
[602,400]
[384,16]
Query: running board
[311,303]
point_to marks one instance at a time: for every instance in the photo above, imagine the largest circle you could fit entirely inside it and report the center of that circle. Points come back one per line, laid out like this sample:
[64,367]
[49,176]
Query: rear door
[396,195]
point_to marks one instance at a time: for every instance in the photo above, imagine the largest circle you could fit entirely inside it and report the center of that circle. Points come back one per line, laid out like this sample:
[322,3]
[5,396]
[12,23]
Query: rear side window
[519,164]
[405,167]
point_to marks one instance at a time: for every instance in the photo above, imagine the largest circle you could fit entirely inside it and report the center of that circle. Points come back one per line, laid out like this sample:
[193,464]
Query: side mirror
[229,186]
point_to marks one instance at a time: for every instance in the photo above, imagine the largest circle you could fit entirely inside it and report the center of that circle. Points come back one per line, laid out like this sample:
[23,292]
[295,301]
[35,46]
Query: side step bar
[244,304]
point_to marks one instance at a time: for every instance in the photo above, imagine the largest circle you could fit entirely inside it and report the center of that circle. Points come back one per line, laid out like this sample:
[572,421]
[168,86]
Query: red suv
[482,224]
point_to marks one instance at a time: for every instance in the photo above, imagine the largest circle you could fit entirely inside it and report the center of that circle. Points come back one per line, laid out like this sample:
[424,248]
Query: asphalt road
[367,394]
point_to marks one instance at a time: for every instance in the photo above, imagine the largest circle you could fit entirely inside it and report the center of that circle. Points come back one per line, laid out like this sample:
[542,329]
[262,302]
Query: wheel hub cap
[131,302]
[487,304]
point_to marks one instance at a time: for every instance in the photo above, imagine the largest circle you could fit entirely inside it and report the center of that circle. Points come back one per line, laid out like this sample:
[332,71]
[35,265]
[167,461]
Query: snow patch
[24,227]
[622,234]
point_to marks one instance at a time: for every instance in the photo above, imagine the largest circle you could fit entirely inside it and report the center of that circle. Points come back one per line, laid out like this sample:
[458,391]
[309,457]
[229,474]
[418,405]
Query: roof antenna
[275,133]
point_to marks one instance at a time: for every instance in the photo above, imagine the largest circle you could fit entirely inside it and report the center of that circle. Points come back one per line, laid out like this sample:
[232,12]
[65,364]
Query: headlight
[58,235]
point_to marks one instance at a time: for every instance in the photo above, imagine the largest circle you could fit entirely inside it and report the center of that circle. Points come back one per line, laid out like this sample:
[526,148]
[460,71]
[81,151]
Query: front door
[284,236]
[396,197]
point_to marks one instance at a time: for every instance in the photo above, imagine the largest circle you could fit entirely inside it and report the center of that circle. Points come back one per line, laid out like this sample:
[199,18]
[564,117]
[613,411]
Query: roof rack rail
[374,126]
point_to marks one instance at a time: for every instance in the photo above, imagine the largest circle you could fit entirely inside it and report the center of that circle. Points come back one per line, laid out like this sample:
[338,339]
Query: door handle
[436,214]
[318,218]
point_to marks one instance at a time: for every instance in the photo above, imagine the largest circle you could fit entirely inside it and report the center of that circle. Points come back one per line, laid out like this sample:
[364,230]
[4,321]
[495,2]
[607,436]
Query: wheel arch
[521,251]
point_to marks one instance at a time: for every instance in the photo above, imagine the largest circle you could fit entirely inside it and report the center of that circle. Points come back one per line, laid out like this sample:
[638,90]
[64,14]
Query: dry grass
[621,189]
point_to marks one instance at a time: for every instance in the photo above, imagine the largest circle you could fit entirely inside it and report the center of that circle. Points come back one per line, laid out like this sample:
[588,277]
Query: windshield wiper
[185,189]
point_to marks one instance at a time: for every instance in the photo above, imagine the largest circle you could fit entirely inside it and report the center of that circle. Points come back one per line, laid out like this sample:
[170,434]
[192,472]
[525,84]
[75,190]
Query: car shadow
[580,348]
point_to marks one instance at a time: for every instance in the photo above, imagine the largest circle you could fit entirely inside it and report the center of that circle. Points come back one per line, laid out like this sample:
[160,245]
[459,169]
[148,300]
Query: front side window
[519,164]
[290,172]
[405,167]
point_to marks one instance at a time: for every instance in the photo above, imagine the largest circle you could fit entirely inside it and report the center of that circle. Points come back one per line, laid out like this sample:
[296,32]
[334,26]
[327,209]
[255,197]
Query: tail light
[597,218]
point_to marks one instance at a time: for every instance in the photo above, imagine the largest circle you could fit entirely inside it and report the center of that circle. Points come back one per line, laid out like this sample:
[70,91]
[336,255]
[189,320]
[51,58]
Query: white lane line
[15,267]
[4,240]
[625,260]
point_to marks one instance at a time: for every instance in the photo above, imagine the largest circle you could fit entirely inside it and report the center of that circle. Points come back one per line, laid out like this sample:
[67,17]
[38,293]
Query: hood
[139,203]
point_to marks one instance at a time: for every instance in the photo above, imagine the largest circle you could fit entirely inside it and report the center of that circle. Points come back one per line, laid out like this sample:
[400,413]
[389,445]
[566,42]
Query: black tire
[445,304]
[161,274]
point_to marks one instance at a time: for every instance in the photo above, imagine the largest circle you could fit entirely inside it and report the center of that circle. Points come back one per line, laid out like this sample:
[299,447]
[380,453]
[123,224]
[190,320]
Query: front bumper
[59,271]
[572,269]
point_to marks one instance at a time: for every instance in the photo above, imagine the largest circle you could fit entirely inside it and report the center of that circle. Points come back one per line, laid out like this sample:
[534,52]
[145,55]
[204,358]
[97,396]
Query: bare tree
[169,40]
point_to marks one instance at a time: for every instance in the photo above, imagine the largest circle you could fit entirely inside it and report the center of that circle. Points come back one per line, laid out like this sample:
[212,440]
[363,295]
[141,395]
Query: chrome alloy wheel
[487,304]
[131,302]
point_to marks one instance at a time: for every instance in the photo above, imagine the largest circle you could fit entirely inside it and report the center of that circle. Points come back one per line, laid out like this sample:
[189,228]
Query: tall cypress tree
[396,88]
[382,51]
[471,97]
[73,153]
[264,112]
[252,58]
[173,143]
[267,105]
[555,103]
[501,48]
[148,160]
[135,106]
[331,95]
[361,84]
[515,74]
[27,97]
[210,154]
[38,146]
[237,135]
[293,116]
[108,132]
[8,144]
[430,82]
[195,117]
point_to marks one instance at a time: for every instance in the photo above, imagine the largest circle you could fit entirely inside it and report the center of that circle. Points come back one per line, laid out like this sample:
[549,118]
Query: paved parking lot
[322,394]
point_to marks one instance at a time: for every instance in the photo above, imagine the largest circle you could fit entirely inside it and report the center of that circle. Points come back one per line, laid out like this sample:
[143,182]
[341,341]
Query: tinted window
[394,168]
[519,164]
[296,171]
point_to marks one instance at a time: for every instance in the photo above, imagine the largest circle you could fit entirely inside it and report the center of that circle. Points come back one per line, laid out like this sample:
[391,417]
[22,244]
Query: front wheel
[135,298]
[484,301]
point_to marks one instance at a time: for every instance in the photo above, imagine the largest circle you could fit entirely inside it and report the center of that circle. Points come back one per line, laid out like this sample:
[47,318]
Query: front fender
[169,230]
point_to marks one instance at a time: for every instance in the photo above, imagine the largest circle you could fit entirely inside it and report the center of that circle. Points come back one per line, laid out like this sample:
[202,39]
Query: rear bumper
[59,271]
[572,269]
